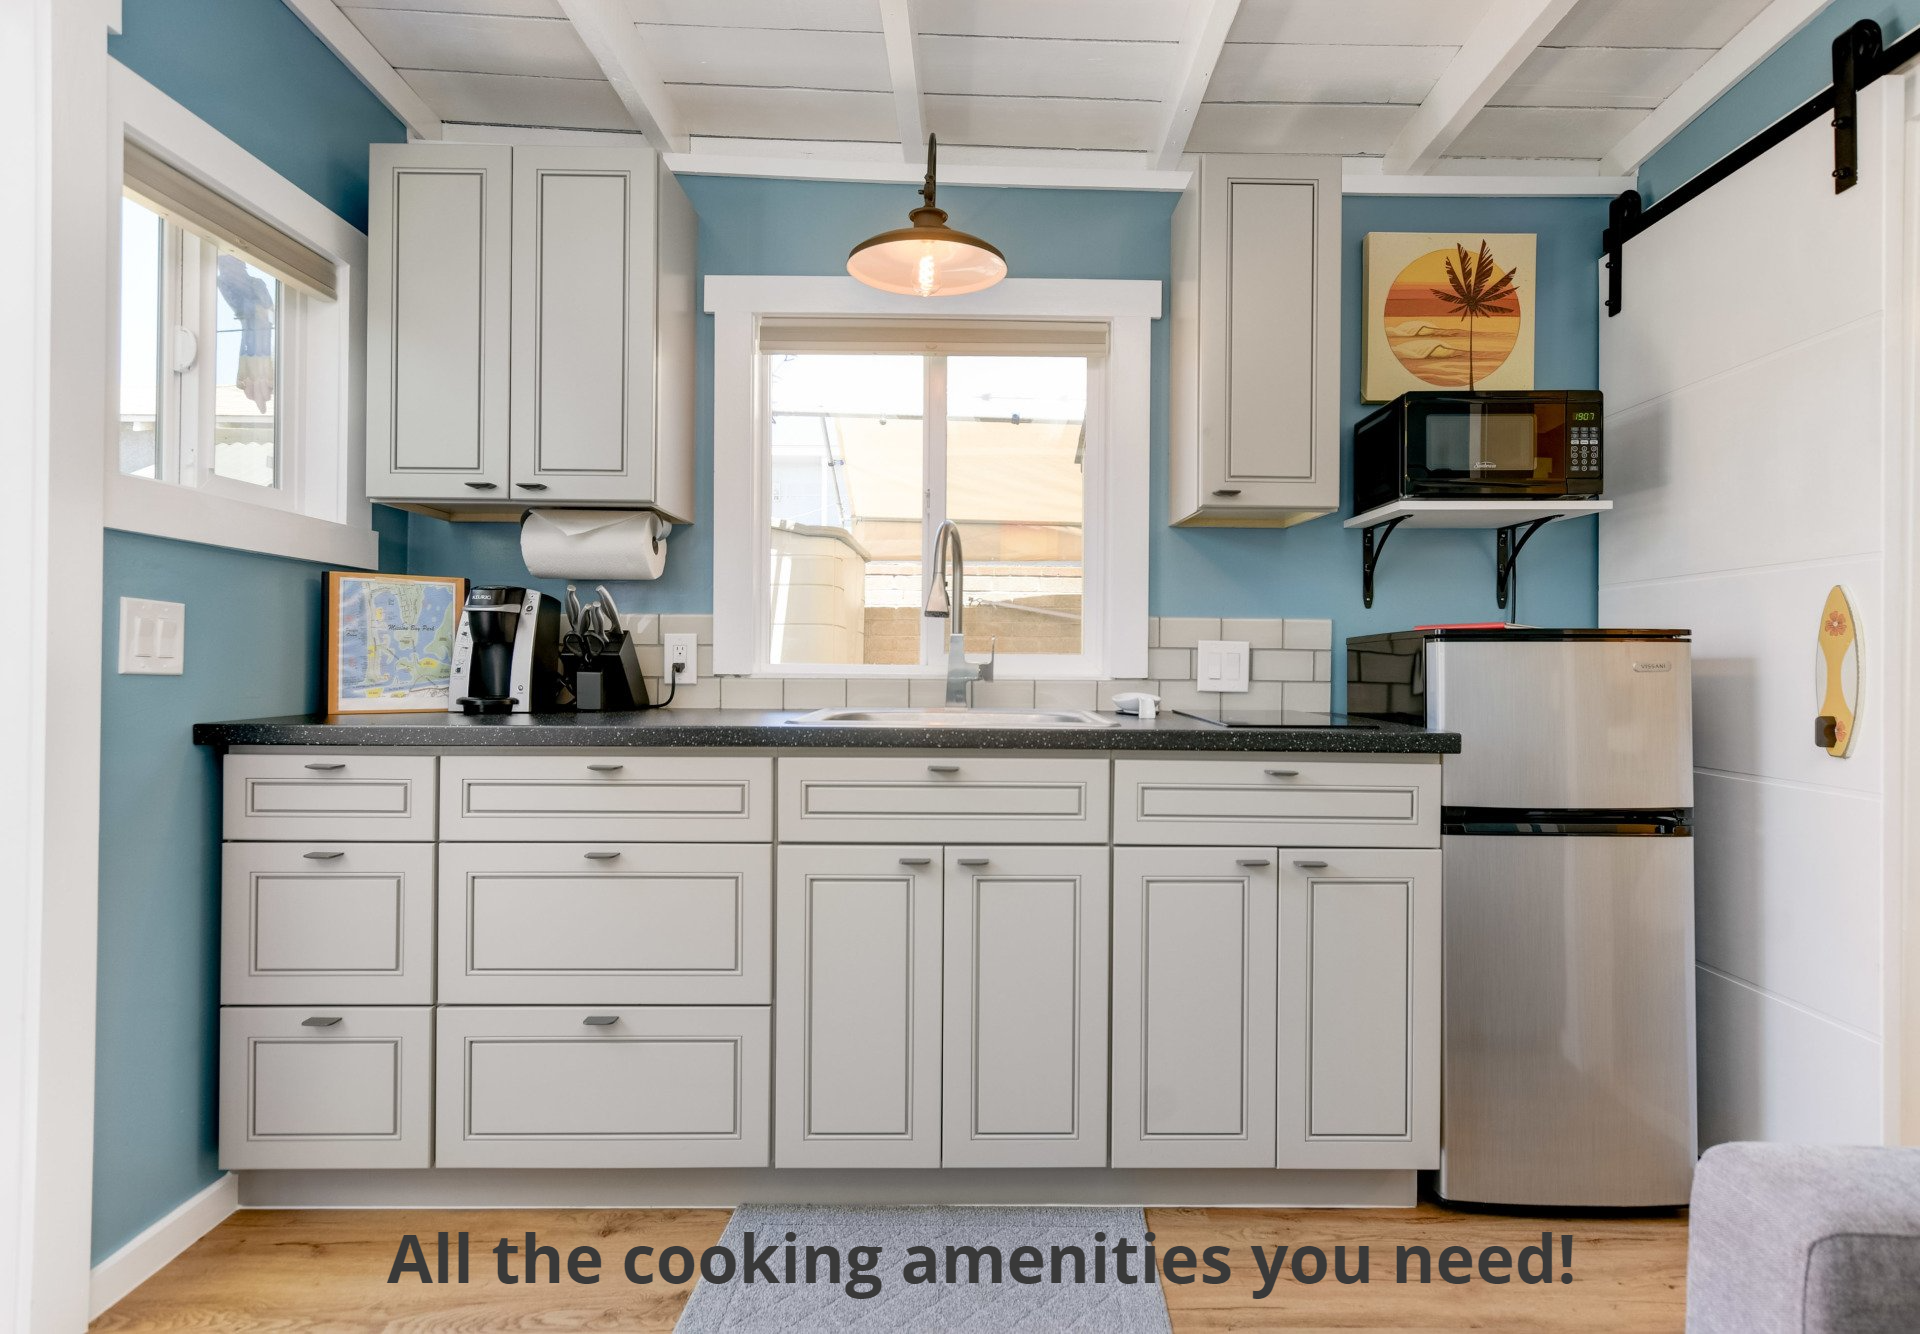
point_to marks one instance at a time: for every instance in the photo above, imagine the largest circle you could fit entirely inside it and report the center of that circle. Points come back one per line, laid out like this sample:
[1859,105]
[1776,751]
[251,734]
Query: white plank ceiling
[998,79]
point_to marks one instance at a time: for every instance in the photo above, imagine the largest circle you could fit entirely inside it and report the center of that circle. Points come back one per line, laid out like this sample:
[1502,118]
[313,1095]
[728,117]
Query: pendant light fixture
[929,258]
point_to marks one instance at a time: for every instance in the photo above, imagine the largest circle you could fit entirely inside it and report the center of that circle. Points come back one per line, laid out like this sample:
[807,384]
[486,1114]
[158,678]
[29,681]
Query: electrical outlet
[1221,665]
[682,649]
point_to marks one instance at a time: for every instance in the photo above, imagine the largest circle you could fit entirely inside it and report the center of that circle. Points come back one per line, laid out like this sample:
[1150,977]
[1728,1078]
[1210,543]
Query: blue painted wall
[803,227]
[256,73]
[1800,68]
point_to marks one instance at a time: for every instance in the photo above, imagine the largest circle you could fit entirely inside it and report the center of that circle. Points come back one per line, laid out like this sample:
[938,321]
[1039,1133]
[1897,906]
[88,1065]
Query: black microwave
[1510,444]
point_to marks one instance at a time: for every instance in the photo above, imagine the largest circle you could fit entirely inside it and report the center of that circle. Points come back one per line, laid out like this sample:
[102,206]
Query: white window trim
[1117,487]
[327,361]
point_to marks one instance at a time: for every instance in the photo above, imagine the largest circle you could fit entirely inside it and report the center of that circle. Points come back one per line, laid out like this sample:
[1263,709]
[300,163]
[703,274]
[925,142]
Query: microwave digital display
[1486,445]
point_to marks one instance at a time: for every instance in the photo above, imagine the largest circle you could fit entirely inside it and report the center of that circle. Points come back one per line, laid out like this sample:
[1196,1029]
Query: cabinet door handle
[328,766]
[531,486]
[973,861]
[601,1020]
[1311,866]
[1227,491]
[480,486]
[322,856]
[1254,861]
[943,768]
[601,856]
[606,768]
[1282,773]
[915,861]
[320,1021]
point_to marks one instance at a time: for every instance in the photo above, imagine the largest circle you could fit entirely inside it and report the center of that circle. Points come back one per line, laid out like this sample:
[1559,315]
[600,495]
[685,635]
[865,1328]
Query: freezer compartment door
[1582,724]
[1568,1058]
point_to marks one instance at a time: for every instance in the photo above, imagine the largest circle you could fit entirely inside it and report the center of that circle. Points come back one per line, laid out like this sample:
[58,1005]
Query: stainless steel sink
[953,718]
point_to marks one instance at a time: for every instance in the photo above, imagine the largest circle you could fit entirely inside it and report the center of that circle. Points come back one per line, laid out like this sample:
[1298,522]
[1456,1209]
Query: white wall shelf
[1516,520]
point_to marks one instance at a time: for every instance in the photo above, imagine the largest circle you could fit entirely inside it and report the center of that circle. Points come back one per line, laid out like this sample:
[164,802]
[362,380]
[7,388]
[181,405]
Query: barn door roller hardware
[1858,59]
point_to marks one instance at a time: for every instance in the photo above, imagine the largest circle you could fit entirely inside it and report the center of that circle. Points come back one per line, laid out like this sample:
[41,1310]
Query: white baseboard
[151,1251]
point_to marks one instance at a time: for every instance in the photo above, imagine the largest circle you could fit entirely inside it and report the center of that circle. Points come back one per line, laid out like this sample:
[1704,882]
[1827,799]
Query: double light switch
[1222,665]
[153,637]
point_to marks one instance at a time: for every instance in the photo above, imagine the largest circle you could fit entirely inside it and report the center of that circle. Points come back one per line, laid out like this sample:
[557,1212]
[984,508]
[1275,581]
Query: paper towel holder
[666,524]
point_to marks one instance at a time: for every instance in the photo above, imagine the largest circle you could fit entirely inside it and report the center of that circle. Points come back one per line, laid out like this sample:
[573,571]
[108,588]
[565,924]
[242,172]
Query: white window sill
[184,514]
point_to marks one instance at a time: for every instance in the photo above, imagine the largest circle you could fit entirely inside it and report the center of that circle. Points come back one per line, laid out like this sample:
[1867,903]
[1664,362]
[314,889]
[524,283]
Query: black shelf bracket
[1856,63]
[1507,557]
[1623,215]
[1370,549]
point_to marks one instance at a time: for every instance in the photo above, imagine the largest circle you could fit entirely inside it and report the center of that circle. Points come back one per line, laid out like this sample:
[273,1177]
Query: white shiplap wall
[1753,426]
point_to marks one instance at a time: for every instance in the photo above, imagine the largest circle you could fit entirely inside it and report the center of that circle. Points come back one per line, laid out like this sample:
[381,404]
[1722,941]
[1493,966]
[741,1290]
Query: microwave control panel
[1583,445]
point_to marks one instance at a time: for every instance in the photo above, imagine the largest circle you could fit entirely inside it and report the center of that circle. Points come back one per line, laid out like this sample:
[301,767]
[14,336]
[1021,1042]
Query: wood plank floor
[324,1272]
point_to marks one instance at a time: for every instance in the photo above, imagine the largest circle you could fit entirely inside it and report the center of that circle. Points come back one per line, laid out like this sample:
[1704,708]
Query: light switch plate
[153,637]
[1222,665]
[683,649]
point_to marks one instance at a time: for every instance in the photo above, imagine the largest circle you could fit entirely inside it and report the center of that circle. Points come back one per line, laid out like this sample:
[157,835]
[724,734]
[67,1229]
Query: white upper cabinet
[558,279]
[1256,337]
[438,309]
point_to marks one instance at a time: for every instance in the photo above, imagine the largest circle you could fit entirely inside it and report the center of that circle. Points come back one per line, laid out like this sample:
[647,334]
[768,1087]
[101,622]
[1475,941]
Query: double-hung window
[867,431]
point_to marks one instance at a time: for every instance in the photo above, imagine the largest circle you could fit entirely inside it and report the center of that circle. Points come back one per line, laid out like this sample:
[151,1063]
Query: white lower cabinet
[343,1086]
[1359,1083]
[1026,1007]
[857,998]
[635,1086]
[1194,944]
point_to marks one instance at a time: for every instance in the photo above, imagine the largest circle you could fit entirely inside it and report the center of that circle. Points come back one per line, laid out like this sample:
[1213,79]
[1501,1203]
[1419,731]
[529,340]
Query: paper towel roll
[594,544]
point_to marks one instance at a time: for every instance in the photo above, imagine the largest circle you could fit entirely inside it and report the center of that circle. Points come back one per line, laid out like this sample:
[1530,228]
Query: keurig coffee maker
[506,658]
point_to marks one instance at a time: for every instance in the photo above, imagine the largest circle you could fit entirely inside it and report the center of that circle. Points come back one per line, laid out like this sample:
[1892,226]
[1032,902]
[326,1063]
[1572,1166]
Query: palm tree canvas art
[1448,312]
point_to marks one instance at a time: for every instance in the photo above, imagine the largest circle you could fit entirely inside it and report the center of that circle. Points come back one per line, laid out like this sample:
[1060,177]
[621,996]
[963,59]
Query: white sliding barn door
[1754,456]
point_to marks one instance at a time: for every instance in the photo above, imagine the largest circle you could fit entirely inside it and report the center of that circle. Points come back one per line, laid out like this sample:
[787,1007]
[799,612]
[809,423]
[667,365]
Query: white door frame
[55,378]
[1901,962]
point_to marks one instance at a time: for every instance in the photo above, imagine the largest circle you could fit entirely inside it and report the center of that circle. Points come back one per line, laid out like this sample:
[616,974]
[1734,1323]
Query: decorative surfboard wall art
[1836,675]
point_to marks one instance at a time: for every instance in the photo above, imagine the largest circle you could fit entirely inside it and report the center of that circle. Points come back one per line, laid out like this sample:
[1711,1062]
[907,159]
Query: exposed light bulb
[925,275]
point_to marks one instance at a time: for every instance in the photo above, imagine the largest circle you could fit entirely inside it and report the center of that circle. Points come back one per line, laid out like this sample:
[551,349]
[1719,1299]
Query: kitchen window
[866,432]
[239,423]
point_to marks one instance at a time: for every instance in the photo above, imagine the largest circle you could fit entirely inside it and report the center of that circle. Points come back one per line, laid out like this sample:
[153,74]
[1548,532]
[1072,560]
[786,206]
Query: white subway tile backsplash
[676,623]
[1187,631]
[704,695]
[816,693]
[1309,696]
[644,627]
[751,692]
[1170,664]
[927,692]
[1003,694]
[1261,697]
[1309,634]
[1258,633]
[1153,632]
[1323,665]
[1282,664]
[1066,695]
[1185,695]
[872,693]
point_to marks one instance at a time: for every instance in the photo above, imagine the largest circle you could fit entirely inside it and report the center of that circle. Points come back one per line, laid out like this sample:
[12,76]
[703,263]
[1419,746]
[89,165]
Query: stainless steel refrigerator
[1568,1037]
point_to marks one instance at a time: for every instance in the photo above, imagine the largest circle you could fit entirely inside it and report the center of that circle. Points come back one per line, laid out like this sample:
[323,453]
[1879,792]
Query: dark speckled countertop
[753,729]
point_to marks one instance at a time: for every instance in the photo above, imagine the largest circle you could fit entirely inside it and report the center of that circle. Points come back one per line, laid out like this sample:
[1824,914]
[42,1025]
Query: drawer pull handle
[480,486]
[973,861]
[1253,861]
[531,486]
[1226,491]
[329,766]
[322,856]
[601,1020]
[601,856]
[943,768]
[606,768]
[1282,773]
[1311,866]
[915,861]
[320,1021]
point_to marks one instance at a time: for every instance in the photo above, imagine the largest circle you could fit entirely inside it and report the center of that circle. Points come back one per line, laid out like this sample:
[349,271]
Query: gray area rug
[963,1307]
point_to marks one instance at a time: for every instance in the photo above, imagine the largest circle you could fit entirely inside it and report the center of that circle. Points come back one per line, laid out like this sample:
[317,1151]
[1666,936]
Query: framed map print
[390,641]
[1447,311]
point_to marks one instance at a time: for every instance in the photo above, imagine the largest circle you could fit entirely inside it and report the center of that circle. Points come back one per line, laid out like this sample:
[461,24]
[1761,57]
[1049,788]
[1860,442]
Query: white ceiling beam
[1199,51]
[1762,36]
[1490,176]
[368,65]
[903,68]
[1506,37]
[1039,176]
[614,39]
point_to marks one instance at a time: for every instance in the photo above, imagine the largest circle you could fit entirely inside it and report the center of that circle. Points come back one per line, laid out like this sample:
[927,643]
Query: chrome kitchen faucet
[960,668]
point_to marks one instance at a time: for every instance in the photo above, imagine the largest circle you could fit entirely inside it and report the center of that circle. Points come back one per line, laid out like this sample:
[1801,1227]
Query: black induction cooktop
[1282,718]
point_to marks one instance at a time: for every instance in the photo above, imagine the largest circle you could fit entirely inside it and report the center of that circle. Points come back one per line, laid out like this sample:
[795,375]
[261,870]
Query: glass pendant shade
[928,258]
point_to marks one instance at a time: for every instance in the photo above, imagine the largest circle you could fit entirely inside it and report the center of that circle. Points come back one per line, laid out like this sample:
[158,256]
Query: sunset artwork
[1448,312]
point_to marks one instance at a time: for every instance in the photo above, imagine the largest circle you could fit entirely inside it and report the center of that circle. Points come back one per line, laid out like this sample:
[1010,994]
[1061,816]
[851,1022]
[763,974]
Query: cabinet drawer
[608,924]
[321,923]
[326,1087]
[657,1086]
[964,798]
[321,795]
[1278,800]
[621,798]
